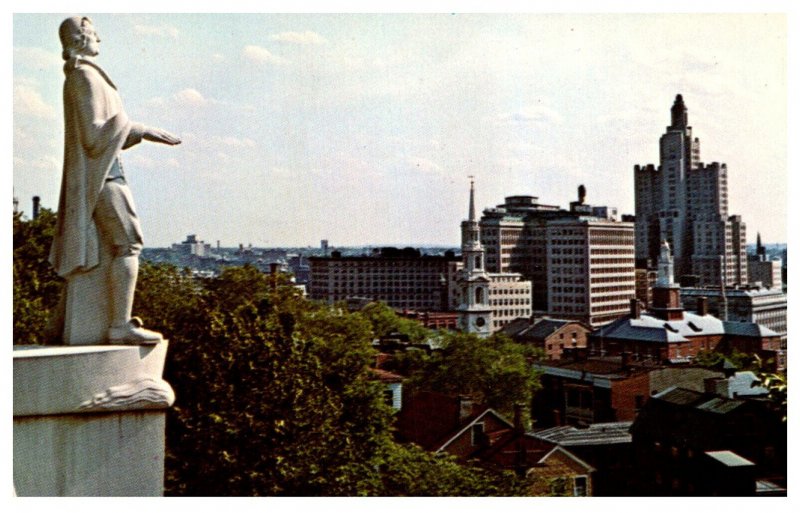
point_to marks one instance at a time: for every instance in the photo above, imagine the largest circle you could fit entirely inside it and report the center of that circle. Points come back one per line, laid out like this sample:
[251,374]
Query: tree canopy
[274,393]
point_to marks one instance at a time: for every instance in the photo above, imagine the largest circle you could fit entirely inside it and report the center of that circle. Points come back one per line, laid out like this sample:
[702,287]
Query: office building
[580,261]
[685,202]
[404,279]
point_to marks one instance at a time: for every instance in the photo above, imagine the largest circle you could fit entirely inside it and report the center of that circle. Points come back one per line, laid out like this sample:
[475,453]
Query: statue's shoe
[133,334]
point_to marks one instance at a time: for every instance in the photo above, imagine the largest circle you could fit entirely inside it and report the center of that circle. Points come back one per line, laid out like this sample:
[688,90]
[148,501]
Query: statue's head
[78,37]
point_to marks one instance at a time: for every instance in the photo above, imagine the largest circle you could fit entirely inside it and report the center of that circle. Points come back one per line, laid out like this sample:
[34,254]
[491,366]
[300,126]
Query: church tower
[474,312]
[666,293]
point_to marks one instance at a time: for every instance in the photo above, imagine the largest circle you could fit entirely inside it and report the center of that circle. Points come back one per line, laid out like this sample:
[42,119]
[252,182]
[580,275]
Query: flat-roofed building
[404,279]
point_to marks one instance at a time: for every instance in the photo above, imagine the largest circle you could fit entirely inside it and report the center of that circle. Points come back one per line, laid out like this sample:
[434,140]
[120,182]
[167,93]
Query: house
[584,391]
[553,336]
[479,435]
[393,387]
[607,447]
[694,443]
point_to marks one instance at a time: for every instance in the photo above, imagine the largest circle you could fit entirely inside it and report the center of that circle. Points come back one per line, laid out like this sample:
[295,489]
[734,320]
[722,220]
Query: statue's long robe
[96,129]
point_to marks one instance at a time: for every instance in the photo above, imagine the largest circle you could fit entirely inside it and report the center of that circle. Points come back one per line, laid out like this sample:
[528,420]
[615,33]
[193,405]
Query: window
[580,489]
[478,436]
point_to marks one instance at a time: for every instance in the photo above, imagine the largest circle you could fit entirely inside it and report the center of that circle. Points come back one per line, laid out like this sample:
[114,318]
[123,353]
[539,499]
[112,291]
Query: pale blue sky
[362,129]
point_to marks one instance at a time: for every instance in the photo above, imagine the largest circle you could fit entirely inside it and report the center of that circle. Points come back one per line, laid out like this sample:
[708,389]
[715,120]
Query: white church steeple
[475,315]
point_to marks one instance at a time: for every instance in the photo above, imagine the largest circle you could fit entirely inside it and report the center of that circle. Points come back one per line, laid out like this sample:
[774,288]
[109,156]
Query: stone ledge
[53,380]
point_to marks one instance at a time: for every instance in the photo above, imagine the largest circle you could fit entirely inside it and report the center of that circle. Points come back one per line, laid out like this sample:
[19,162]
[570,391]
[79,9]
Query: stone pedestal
[89,420]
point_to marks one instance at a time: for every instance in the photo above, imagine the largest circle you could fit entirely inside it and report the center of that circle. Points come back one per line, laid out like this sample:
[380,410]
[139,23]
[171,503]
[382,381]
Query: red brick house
[551,335]
[477,434]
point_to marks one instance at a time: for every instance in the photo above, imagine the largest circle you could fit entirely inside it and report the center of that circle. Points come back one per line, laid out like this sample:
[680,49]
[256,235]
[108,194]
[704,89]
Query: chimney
[702,306]
[36,200]
[518,427]
[464,408]
[636,309]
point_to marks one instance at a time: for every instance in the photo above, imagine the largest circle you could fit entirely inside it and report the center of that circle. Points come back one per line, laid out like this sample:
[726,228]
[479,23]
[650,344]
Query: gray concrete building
[685,202]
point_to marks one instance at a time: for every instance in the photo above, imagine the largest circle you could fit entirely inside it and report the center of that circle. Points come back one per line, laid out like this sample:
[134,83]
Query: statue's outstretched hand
[160,136]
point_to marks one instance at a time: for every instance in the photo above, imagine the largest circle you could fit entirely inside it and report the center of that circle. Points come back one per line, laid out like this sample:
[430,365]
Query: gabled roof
[505,451]
[468,425]
[559,449]
[541,329]
[596,434]
[430,418]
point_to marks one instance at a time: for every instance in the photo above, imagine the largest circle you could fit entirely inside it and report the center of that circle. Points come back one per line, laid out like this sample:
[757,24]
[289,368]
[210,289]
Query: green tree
[275,395]
[384,321]
[412,471]
[37,288]
[495,371]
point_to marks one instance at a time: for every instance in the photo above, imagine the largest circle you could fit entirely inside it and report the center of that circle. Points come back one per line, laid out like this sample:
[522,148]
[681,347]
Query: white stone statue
[98,239]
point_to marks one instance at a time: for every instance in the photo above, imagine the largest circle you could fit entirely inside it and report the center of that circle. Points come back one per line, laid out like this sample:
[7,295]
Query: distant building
[667,333]
[685,202]
[764,271]
[645,280]
[585,391]
[553,336]
[580,261]
[766,307]
[192,246]
[404,279]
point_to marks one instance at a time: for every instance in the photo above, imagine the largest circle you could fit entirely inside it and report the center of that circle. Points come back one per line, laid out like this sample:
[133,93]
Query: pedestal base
[89,420]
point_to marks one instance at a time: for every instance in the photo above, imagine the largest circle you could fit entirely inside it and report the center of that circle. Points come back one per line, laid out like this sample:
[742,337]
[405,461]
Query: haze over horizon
[363,129]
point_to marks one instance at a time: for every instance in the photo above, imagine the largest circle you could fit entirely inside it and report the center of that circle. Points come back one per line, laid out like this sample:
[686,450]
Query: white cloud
[262,55]
[28,102]
[37,57]
[190,97]
[532,114]
[217,57]
[157,30]
[303,38]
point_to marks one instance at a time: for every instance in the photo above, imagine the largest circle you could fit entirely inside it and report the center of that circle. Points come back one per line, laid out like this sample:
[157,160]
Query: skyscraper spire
[680,115]
[759,248]
[471,198]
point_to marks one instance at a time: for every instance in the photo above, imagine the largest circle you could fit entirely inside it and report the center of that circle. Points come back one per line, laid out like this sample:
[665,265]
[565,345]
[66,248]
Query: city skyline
[363,129]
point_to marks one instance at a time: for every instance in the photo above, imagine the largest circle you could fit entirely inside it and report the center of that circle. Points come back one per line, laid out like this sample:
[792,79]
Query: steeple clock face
[480,322]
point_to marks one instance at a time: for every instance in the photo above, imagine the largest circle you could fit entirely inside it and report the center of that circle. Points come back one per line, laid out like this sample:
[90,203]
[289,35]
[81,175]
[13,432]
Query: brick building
[693,443]
[667,333]
[404,279]
[553,336]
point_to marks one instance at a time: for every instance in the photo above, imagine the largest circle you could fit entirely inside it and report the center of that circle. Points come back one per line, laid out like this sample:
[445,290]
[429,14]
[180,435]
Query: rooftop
[700,401]
[595,434]
[730,459]
[649,328]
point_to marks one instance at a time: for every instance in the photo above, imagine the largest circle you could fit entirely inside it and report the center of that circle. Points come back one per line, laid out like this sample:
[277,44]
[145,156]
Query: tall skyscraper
[685,202]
